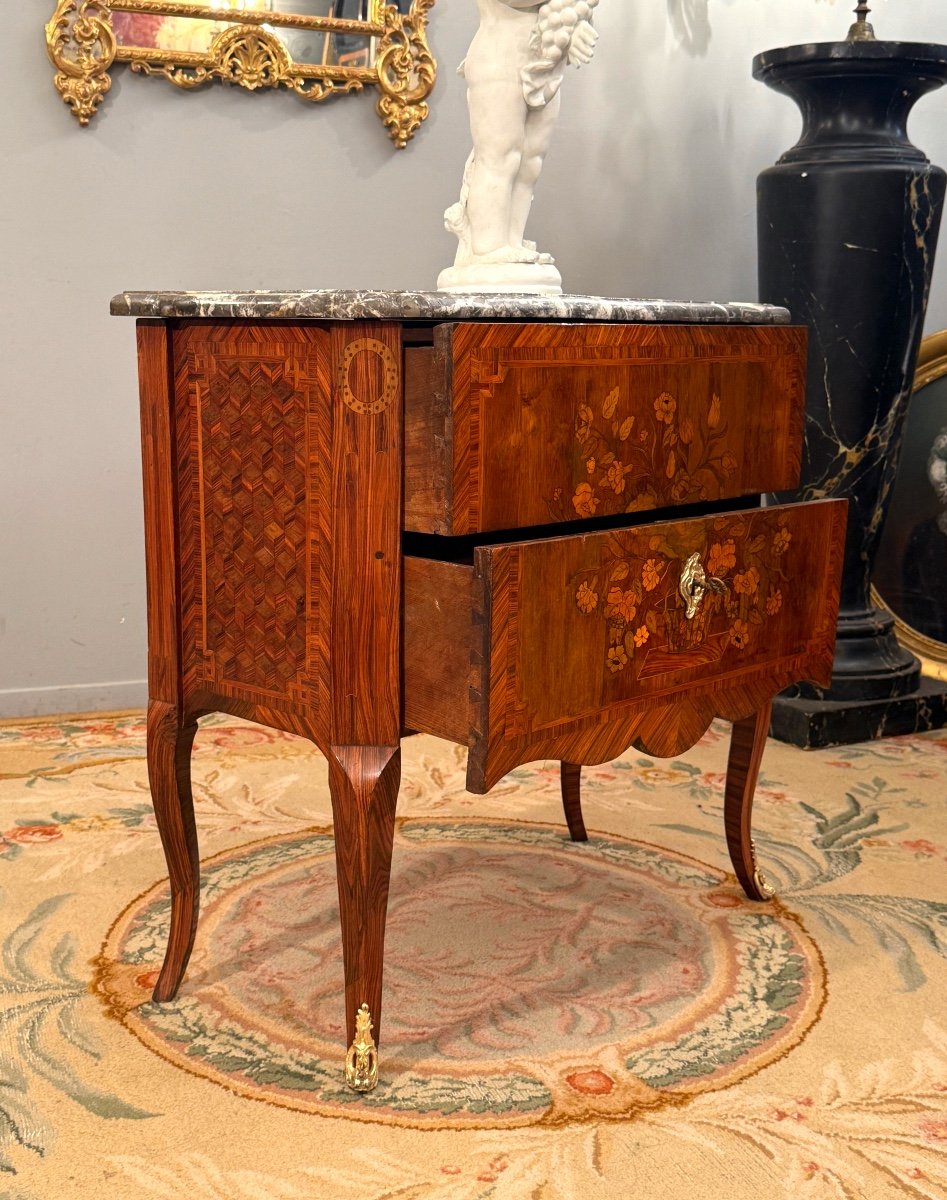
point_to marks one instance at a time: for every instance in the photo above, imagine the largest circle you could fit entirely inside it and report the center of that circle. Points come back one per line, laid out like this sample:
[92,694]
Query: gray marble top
[439,306]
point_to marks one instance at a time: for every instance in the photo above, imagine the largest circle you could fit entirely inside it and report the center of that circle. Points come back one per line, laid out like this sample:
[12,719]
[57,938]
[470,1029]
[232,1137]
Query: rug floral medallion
[527,979]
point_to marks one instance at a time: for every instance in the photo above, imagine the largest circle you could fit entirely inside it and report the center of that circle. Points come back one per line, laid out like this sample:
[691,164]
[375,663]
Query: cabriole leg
[170,740]
[572,801]
[746,753]
[363,781]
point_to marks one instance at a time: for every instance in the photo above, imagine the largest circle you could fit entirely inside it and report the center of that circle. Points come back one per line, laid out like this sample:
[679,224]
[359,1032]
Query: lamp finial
[862,30]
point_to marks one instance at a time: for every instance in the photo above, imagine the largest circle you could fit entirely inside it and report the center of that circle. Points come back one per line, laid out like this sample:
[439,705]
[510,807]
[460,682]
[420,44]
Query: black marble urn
[848,224]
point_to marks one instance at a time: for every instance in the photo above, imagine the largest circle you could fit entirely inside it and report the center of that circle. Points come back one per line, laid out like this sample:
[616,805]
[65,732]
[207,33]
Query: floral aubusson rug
[562,1021]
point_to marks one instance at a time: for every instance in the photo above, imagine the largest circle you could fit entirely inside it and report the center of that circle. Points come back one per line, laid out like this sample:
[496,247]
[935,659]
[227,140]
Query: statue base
[523,279]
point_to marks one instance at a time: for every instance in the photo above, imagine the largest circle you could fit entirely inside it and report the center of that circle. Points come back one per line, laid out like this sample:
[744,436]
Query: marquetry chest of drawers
[530,526]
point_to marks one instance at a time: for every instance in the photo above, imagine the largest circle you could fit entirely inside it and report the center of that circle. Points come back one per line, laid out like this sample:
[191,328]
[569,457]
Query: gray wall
[649,190]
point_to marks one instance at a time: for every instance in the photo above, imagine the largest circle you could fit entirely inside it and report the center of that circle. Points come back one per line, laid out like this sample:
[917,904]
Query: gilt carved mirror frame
[246,50]
[915,523]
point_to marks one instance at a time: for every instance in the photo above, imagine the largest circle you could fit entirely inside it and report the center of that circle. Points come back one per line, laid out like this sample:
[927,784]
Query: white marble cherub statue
[514,70]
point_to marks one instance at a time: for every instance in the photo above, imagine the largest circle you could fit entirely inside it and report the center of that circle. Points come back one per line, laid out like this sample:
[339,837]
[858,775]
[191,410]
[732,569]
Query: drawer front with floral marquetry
[573,634]
[511,426]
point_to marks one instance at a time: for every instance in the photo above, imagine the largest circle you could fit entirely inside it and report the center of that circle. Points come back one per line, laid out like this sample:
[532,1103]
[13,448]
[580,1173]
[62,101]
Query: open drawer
[553,648]
[509,426]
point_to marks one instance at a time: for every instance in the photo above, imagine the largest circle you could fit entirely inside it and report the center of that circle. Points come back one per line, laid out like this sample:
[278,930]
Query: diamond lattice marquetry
[253,458]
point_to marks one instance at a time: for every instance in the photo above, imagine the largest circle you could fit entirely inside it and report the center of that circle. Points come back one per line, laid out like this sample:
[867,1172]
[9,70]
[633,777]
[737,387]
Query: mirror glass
[174,33]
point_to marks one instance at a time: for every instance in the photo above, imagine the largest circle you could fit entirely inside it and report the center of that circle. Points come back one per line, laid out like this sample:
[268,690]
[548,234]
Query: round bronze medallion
[389,365]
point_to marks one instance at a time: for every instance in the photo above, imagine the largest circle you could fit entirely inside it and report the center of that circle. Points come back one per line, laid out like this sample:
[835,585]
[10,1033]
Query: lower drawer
[562,648]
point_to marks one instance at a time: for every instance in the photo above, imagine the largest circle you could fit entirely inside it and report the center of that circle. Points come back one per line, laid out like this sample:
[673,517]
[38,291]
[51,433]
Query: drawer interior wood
[539,640]
[428,481]
[509,426]
[438,626]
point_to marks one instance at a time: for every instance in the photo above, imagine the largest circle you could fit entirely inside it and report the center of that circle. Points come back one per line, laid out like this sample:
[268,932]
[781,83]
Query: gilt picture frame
[910,573]
[253,44]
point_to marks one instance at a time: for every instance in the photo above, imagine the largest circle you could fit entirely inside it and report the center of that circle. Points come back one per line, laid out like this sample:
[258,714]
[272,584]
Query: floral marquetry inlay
[532,423]
[637,592]
[624,462]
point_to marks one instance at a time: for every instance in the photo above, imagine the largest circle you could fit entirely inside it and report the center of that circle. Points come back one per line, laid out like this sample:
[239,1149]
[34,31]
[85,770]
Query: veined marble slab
[439,306]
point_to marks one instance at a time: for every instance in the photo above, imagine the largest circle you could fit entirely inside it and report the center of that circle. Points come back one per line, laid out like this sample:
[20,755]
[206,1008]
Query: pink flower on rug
[773,797]
[25,834]
[236,736]
[714,779]
[40,733]
[100,727]
[921,847]
[591,1083]
[496,1166]
[934,1129]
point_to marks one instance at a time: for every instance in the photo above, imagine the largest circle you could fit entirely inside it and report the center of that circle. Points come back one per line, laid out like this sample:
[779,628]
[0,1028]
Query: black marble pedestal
[815,724]
[848,222]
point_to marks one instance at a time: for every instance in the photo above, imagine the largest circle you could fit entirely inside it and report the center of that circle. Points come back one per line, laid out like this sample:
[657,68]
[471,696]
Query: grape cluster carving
[556,23]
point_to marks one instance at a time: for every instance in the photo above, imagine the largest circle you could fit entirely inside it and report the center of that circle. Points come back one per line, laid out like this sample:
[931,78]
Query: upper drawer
[509,426]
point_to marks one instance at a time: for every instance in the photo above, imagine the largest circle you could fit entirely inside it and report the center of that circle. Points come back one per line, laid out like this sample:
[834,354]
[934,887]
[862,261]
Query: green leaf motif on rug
[770,981]
[37,1003]
[840,839]
[262,1062]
